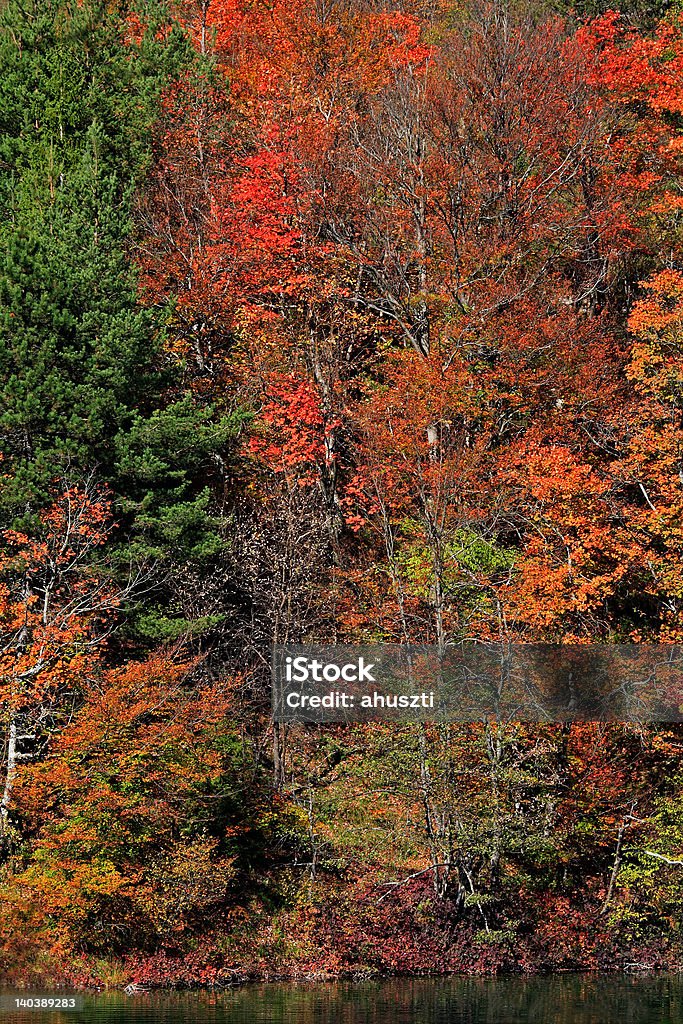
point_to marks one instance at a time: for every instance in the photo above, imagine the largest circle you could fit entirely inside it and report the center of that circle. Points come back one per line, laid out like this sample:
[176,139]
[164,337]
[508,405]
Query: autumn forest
[332,321]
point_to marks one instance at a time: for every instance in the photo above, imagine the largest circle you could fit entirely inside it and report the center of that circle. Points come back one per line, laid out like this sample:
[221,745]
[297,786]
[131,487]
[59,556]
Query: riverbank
[383,939]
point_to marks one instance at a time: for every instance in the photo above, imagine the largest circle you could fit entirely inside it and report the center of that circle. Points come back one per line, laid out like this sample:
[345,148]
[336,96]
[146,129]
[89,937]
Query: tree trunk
[9,782]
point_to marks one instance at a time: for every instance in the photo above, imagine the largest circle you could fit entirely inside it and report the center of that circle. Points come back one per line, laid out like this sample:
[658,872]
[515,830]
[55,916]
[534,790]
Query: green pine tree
[85,382]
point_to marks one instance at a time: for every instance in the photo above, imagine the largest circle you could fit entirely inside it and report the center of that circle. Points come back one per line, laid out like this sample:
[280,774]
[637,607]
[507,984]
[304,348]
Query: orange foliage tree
[57,607]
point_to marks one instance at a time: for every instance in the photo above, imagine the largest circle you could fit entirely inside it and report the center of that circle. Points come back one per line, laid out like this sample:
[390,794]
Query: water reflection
[565,999]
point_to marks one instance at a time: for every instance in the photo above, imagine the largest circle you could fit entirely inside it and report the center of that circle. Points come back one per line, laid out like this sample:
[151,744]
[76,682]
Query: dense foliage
[332,321]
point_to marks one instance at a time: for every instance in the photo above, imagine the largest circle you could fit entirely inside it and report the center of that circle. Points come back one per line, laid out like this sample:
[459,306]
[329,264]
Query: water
[564,999]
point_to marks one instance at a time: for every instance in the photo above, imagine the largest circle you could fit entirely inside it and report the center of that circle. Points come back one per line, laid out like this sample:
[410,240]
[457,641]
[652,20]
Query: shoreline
[343,978]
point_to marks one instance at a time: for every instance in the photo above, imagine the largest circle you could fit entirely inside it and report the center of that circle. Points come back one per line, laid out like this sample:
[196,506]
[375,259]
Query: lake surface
[564,999]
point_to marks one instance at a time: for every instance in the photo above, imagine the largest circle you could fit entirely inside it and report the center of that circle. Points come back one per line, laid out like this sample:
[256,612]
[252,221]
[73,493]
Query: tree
[151,827]
[57,607]
[86,381]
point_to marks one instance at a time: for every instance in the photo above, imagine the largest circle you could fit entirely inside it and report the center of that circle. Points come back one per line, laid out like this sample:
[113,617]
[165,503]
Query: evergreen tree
[85,382]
